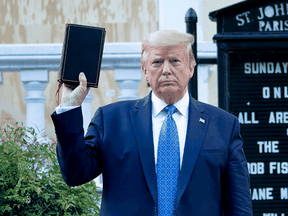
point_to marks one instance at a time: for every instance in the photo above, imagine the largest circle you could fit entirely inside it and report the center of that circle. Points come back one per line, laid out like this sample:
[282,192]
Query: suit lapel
[195,133]
[142,124]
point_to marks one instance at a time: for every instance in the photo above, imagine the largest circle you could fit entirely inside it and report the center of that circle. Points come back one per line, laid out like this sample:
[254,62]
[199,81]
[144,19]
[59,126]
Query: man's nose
[166,68]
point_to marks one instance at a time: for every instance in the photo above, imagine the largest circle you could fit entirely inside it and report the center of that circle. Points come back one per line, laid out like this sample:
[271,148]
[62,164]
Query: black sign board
[269,16]
[252,40]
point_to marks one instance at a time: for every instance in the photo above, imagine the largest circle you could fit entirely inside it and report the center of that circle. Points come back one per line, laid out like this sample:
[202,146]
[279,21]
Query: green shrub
[30,178]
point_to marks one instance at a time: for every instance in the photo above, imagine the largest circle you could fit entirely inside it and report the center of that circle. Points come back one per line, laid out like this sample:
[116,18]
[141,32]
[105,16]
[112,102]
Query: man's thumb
[83,80]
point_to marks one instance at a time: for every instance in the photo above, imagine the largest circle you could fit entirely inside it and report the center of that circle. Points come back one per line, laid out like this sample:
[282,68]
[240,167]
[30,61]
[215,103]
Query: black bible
[82,52]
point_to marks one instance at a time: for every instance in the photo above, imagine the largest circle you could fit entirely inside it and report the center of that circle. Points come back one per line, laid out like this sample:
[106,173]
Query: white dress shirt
[158,116]
[180,117]
[59,109]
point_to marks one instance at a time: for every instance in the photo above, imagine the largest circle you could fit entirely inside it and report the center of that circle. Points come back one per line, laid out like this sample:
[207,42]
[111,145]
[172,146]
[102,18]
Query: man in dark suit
[154,161]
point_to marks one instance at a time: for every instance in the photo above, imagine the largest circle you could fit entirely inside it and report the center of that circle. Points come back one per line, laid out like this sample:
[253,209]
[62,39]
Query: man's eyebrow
[173,56]
[157,57]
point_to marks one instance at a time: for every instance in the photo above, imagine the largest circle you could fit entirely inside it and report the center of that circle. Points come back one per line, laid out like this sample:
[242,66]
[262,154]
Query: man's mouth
[167,82]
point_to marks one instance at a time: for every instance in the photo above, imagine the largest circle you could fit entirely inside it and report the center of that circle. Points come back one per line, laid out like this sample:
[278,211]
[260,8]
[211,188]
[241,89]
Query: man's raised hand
[75,97]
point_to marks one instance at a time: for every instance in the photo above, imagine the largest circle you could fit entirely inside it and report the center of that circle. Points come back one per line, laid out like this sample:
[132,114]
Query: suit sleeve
[78,157]
[236,182]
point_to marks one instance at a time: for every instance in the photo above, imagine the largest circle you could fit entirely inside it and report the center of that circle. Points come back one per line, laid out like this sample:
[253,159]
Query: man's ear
[192,65]
[145,72]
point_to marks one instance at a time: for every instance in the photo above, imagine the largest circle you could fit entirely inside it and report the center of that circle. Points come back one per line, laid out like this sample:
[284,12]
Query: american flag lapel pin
[202,120]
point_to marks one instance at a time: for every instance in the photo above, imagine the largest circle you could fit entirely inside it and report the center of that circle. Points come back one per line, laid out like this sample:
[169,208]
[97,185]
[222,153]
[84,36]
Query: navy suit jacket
[213,180]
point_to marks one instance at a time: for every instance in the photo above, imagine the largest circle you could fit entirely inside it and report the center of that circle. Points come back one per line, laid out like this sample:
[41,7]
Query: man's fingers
[70,87]
[75,96]
[83,80]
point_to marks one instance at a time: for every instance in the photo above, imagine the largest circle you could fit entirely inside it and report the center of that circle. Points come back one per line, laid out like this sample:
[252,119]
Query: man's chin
[170,95]
[168,90]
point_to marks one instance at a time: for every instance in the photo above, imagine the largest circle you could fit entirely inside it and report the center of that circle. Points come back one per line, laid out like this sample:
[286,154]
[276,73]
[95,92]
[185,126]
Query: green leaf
[26,190]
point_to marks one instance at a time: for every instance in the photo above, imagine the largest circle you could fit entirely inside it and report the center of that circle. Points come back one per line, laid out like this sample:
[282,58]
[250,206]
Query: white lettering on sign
[271,11]
[244,118]
[279,167]
[266,92]
[268,146]
[275,25]
[262,193]
[284,193]
[268,12]
[273,214]
[278,117]
[255,168]
[265,68]
[278,92]
[242,18]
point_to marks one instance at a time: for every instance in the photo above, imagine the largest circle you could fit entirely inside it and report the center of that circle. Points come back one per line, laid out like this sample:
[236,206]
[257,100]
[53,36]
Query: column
[0,78]
[35,81]
[128,81]
[86,110]
[204,71]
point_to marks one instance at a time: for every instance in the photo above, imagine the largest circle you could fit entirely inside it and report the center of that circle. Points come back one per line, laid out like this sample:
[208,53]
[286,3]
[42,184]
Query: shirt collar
[181,105]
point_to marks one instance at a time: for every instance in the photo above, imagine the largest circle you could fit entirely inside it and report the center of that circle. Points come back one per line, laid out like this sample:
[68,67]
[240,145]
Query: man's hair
[167,38]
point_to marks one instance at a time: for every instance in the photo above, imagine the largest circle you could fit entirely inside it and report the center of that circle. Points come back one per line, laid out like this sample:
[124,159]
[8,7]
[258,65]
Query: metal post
[191,28]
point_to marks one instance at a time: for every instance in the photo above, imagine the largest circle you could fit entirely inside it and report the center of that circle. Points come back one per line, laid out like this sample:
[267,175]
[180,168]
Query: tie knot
[170,109]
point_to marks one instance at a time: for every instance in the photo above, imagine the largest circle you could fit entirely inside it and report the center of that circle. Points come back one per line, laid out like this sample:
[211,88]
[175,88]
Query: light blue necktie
[168,164]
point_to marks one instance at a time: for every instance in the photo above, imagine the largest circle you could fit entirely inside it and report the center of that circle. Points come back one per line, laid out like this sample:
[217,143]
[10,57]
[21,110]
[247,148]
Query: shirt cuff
[60,109]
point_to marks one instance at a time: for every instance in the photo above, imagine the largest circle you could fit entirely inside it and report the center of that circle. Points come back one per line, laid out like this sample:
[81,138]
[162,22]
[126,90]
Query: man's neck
[182,105]
[171,98]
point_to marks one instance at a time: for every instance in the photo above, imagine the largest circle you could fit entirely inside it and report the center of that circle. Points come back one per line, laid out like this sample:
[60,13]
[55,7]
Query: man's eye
[156,63]
[175,61]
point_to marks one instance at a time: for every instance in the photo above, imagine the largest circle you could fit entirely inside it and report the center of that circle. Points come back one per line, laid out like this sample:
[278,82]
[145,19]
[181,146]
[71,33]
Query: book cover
[82,52]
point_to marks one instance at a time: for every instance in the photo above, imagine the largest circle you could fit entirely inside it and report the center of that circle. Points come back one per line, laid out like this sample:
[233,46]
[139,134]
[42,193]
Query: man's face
[167,70]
